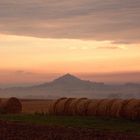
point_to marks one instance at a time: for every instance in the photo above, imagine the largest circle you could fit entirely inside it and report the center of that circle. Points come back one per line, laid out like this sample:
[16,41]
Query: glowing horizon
[83,36]
[67,55]
[45,56]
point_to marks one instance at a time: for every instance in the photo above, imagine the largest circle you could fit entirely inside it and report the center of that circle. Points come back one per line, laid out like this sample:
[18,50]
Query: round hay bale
[55,105]
[67,106]
[86,106]
[123,113]
[132,109]
[104,107]
[70,106]
[11,106]
[116,107]
[82,107]
[92,107]
[72,110]
[138,112]
[110,103]
[60,107]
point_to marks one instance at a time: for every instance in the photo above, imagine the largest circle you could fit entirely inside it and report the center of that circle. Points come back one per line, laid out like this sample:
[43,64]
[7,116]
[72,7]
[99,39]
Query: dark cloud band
[114,20]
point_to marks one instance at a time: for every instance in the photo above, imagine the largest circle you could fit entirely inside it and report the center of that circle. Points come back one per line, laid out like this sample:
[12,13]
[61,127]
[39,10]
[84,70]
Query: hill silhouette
[69,81]
[71,86]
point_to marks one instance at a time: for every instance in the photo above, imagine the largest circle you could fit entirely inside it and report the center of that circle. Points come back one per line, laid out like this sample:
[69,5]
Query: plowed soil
[23,131]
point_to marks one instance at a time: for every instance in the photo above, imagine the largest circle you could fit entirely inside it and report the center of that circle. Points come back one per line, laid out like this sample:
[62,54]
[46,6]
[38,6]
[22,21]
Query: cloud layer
[116,20]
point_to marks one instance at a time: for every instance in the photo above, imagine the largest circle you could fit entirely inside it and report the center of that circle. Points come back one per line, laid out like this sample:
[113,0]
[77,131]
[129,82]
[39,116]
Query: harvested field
[98,123]
[35,106]
[28,131]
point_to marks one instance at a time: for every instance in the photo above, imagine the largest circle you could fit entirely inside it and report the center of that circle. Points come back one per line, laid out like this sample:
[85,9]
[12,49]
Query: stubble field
[34,123]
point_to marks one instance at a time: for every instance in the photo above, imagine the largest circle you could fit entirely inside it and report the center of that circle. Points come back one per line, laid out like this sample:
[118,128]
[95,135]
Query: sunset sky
[95,39]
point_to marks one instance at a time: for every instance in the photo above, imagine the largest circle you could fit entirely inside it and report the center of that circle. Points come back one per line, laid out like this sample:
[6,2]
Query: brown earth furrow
[22,131]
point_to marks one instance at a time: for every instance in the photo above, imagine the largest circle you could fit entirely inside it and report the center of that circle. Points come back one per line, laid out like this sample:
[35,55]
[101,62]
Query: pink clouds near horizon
[40,40]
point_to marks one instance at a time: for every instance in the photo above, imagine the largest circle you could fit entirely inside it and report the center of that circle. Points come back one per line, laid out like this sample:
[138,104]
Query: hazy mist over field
[96,41]
[70,86]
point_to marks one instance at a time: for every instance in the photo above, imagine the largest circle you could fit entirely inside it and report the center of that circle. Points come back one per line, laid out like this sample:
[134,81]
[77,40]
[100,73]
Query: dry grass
[35,106]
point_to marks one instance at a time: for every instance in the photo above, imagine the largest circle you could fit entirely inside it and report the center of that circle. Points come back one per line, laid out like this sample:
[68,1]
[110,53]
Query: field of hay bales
[116,108]
[82,118]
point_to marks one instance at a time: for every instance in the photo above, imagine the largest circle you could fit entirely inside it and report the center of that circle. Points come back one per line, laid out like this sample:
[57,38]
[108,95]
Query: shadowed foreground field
[38,127]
